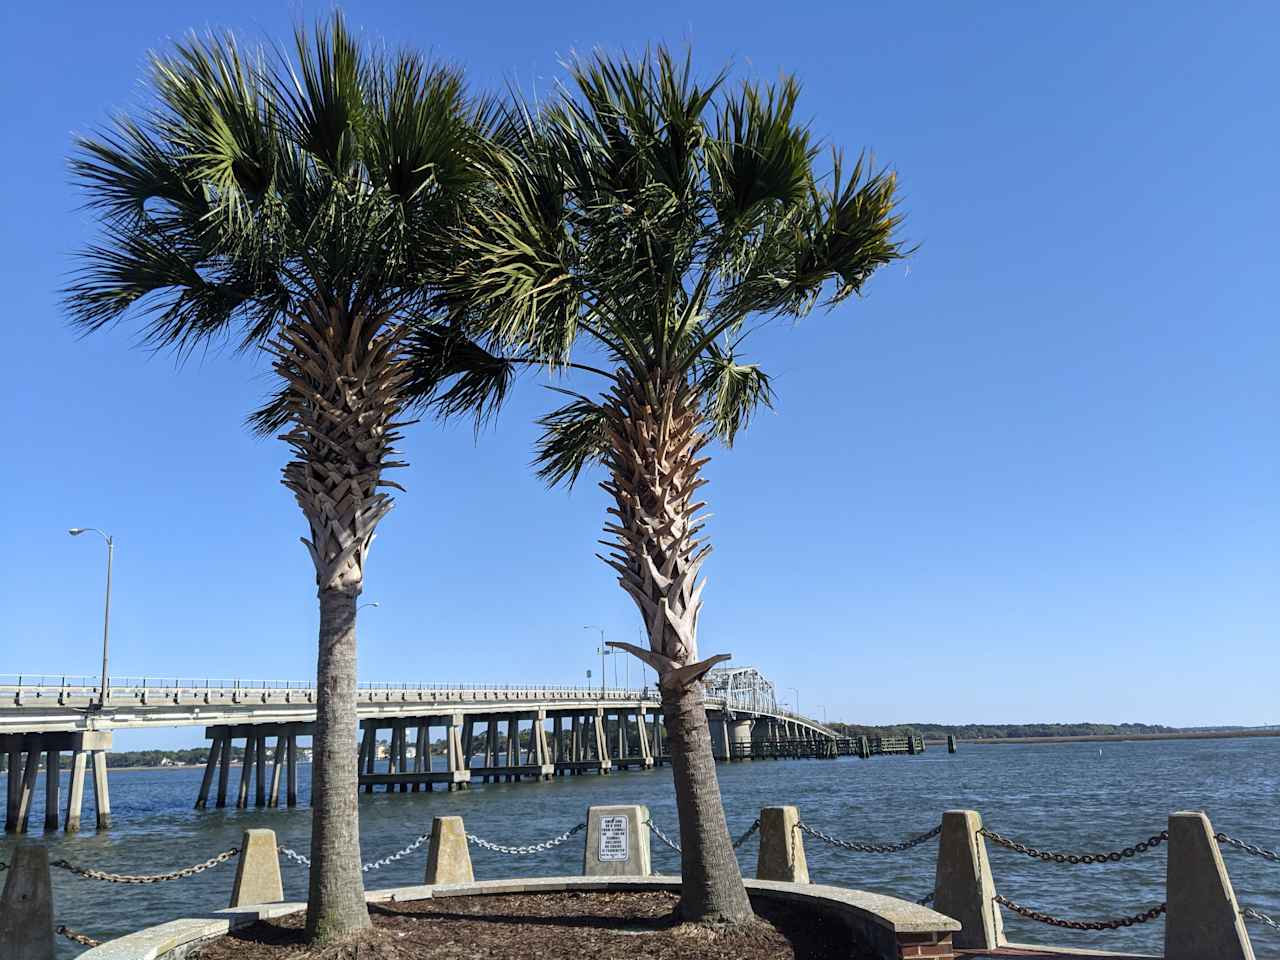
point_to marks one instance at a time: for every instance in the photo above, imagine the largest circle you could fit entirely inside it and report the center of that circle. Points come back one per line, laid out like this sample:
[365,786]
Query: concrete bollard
[1204,921]
[257,870]
[448,858]
[781,846]
[963,886]
[26,906]
[617,842]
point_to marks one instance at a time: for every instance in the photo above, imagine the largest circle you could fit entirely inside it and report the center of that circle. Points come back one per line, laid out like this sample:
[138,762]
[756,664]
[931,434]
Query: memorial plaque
[614,839]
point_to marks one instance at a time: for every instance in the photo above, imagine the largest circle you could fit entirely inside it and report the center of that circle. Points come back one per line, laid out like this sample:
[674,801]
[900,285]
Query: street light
[106,616]
[373,603]
[603,653]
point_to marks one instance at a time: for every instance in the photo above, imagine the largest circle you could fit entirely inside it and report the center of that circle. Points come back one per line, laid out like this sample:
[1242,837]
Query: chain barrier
[1251,914]
[1053,856]
[399,854]
[927,898]
[1271,855]
[667,840]
[870,847]
[90,874]
[3,866]
[531,848]
[76,937]
[1114,924]
[295,856]
[747,836]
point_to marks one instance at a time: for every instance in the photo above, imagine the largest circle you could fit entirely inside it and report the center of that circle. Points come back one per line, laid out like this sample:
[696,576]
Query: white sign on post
[614,839]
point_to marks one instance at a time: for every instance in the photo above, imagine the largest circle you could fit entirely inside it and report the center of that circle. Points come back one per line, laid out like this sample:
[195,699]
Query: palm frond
[731,392]
[454,375]
[574,437]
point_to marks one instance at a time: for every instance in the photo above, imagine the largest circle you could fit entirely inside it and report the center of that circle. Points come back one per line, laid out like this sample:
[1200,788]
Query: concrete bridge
[483,733]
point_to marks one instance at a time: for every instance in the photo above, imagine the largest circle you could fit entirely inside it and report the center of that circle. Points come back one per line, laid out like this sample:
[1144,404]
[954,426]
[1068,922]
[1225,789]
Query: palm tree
[638,221]
[304,209]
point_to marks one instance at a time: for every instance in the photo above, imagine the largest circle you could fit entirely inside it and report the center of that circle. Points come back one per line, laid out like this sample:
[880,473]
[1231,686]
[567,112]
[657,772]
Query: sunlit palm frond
[574,436]
[731,393]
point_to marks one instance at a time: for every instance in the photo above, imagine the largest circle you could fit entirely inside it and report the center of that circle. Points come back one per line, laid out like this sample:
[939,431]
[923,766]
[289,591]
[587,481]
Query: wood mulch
[551,926]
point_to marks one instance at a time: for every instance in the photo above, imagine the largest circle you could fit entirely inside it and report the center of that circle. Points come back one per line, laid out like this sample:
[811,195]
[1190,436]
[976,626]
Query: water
[1055,796]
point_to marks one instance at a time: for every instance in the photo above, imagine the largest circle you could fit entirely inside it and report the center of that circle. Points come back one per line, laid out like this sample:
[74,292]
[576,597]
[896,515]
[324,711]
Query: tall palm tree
[303,208]
[637,222]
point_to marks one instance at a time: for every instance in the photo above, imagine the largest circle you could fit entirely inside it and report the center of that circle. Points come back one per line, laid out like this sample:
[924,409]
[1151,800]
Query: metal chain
[1053,921]
[3,866]
[667,840]
[531,848]
[1271,855]
[747,836]
[385,861]
[927,898]
[142,878]
[1251,914]
[1053,856]
[75,937]
[870,847]
[295,856]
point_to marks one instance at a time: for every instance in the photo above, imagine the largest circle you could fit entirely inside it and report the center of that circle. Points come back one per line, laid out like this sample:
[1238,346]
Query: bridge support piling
[246,772]
[13,786]
[52,781]
[224,772]
[101,793]
[75,795]
[277,761]
[292,791]
[422,753]
[27,788]
[210,765]
[260,771]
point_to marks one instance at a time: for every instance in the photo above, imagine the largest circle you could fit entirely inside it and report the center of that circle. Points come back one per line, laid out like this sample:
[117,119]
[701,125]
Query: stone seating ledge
[883,921]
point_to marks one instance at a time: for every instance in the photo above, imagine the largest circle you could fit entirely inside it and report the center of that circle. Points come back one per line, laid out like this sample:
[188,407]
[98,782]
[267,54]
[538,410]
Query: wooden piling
[246,772]
[27,789]
[13,784]
[215,751]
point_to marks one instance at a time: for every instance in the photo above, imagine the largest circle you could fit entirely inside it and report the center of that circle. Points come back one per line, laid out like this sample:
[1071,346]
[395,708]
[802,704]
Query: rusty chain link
[1053,856]
[1271,855]
[3,866]
[76,937]
[1114,924]
[90,874]
[870,847]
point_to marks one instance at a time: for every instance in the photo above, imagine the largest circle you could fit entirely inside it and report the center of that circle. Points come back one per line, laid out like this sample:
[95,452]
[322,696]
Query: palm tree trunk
[344,376]
[711,888]
[335,896]
[655,437]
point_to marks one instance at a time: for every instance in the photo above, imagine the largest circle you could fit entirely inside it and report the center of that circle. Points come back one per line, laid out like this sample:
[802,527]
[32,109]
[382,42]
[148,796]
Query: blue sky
[1031,476]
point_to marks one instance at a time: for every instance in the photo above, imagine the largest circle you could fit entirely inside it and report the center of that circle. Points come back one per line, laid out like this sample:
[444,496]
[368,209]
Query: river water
[1079,797]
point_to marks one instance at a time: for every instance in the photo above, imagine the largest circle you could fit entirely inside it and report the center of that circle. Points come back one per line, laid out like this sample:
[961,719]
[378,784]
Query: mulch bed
[551,926]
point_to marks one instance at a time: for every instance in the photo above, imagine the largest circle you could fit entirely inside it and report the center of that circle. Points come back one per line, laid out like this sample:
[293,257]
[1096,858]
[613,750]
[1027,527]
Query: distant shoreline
[1113,737]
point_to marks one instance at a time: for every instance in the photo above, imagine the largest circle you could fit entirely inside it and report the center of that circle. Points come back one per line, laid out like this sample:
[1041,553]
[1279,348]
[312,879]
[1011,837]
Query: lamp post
[373,603]
[106,615]
[603,652]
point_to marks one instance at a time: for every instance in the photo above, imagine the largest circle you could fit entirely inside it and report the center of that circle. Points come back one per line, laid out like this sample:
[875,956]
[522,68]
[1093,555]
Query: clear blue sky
[1032,476]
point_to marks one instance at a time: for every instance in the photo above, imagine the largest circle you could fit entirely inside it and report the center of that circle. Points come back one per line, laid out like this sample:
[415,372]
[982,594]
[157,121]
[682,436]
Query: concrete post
[258,870]
[52,780]
[617,842]
[1204,921]
[26,906]
[448,859]
[781,846]
[75,796]
[101,793]
[963,886]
